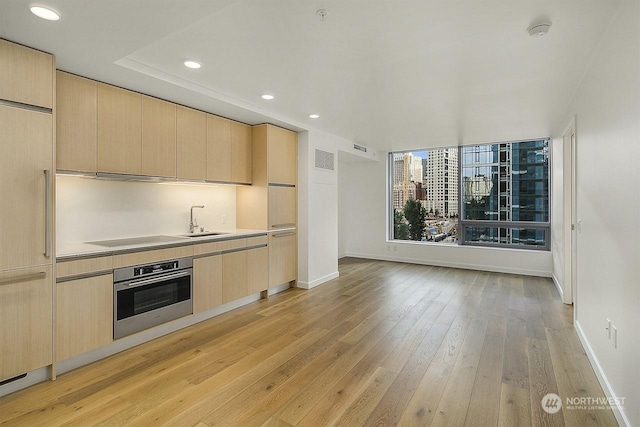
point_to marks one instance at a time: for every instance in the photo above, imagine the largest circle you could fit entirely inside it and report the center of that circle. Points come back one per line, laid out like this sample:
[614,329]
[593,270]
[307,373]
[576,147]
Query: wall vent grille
[324,160]
[360,148]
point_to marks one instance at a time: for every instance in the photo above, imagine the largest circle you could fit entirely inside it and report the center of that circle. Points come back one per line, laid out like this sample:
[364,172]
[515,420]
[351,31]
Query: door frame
[569,172]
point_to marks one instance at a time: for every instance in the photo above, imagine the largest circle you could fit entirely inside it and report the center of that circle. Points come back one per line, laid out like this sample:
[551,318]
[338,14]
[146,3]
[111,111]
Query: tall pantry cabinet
[271,201]
[26,220]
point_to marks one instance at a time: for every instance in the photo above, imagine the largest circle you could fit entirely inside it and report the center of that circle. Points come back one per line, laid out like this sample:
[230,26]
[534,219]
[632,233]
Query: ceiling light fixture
[539,30]
[314,116]
[190,63]
[267,96]
[45,13]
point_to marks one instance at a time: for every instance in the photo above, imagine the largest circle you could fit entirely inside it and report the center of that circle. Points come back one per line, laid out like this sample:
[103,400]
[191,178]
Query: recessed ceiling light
[45,13]
[267,96]
[190,63]
[314,116]
[539,30]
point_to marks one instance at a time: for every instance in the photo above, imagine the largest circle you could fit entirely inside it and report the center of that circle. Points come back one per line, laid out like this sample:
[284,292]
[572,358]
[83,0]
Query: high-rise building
[407,178]
[440,178]
[518,189]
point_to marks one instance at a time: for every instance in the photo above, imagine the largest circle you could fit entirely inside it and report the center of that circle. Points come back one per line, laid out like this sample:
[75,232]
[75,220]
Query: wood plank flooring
[384,344]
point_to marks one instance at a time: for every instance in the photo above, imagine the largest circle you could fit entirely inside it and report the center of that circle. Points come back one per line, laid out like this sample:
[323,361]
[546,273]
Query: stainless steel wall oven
[151,294]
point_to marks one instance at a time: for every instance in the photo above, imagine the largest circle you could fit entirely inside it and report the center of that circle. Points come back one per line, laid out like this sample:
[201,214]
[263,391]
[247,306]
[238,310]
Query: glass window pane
[525,237]
[424,194]
[506,182]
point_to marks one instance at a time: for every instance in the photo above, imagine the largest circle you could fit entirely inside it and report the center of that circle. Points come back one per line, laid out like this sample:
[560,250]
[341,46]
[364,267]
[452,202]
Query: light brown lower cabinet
[257,270]
[207,283]
[234,276]
[84,315]
[244,273]
[219,279]
[25,321]
[282,258]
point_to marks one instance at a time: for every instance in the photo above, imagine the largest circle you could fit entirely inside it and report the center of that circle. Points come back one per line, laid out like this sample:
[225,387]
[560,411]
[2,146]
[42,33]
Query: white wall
[93,209]
[607,110]
[364,188]
[318,208]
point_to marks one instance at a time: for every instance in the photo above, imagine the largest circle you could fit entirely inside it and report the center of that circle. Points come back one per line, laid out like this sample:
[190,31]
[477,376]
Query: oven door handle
[120,287]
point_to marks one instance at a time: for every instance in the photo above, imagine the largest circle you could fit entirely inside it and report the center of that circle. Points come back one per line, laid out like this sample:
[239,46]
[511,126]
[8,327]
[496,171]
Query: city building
[440,181]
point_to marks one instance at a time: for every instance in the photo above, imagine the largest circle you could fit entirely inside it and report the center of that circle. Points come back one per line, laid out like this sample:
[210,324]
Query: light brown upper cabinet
[158,137]
[241,153]
[218,149]
[26,75]
[271,201]
[283,155]
[282,207]
[119,130]
[76,123]
[191,144]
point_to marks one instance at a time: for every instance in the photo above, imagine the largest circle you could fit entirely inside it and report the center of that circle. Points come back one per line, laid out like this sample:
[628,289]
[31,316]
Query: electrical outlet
[608,328]
[223,219]
[388,247]
[395,248]
[614,336]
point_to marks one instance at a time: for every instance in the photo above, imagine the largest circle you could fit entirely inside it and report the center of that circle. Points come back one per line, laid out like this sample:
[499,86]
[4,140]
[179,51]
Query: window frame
[462,224]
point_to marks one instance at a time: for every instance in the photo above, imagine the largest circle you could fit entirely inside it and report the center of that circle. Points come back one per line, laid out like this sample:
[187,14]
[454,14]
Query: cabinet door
[282,207]
[241,153]
[283,156]
[282,258]
[76,123]
[26,75]
[84,315]
[191,144]
[158,137]
[25,321]
[257,270]
[119,130]
[207,283]
[218,149]
[234,276]
[26,150]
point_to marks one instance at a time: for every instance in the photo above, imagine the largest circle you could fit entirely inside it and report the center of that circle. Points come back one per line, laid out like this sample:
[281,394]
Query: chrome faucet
[193,225]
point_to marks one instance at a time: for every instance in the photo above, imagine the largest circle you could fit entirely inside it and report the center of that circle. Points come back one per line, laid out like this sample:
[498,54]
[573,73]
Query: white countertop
[82,249]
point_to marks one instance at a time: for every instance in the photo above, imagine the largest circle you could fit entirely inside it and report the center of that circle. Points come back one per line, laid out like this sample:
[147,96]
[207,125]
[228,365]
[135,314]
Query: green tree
[416,216]
[400,227]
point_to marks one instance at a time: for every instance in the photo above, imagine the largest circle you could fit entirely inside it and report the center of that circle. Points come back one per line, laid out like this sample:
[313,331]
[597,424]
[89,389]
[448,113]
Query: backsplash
[94,209]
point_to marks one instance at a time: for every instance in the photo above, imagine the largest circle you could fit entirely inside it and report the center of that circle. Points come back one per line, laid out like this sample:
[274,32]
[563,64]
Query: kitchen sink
[204,234]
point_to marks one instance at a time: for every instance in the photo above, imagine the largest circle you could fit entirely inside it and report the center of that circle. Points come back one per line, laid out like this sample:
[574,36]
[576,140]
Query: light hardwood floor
[385,344]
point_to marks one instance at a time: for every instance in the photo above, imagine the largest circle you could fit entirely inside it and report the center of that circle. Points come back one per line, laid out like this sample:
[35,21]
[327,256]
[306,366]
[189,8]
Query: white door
[569,215]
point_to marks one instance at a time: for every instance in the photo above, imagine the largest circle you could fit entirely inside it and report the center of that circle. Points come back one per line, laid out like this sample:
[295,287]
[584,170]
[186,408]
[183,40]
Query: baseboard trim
[558,287]
[279,288]
[493,269]
[602,378]
[320,281]
[33,377]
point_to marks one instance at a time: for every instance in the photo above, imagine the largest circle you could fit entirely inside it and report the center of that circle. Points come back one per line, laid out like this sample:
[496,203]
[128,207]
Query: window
[489,195]
[425,195]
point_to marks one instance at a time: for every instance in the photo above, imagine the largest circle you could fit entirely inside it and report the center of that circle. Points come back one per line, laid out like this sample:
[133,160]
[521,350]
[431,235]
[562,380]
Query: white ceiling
[390,74]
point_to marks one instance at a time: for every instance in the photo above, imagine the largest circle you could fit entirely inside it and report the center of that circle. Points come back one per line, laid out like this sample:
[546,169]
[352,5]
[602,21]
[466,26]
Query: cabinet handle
[284,234]
[47,213]
[289,224]
[26,277]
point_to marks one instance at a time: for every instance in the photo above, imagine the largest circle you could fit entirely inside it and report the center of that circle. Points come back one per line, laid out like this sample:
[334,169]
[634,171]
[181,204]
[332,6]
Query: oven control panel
[154,268]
